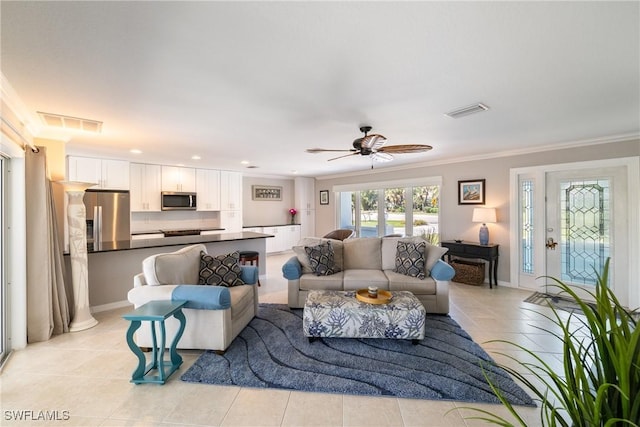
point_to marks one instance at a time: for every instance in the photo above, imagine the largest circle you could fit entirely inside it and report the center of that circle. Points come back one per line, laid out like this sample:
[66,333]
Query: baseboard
[110,306]
[506,284]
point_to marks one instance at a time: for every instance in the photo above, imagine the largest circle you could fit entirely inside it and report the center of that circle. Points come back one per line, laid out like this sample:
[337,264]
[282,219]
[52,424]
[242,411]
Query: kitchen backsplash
[173,220]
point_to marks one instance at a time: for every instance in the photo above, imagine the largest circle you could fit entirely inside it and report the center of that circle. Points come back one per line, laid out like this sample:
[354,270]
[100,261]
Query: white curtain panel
[47,305]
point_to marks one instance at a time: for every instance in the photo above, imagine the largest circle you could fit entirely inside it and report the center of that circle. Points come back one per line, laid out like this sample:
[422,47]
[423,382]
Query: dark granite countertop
[270,225]
[124,245]
[137,233]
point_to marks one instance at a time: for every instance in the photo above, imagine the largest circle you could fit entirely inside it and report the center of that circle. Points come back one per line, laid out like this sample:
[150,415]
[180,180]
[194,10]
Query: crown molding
[16,120]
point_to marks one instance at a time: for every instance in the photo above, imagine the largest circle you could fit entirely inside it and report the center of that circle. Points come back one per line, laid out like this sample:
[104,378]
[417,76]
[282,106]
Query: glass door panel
[425,213]
[347,213]
[586,215]
[395,218]
[368,213]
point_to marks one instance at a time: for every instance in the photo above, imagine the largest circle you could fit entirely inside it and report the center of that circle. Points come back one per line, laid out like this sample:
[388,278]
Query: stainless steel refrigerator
[107,216]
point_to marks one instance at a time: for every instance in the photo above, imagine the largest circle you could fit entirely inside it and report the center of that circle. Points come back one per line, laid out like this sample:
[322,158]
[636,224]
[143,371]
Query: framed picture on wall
[264,192]
[324,197]
[471,192]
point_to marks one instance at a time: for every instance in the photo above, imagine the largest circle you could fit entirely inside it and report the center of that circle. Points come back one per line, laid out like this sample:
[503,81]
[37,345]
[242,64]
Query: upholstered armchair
[215,314]
[340,234]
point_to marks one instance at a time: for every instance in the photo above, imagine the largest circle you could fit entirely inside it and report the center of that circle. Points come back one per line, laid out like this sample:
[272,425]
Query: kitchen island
[112,265]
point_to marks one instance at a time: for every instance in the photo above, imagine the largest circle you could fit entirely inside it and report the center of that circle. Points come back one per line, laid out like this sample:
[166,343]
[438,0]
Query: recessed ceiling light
[68,122]
[244,162]
[135,151]
[196,157]
[465,111]
[294,171]
[180,164]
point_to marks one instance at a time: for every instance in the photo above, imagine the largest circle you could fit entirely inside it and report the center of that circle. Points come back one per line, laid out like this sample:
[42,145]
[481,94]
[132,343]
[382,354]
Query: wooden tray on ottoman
[383,296]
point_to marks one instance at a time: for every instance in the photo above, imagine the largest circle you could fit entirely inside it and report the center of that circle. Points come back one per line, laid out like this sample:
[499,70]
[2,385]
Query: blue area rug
[272,352]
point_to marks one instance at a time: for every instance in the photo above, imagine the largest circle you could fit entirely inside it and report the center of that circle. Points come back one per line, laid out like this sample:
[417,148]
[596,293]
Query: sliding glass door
[4,318]
[405,210]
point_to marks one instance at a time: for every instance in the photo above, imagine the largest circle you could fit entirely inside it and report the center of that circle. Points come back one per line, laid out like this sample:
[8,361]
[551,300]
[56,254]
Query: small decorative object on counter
[293,213]
[373,291]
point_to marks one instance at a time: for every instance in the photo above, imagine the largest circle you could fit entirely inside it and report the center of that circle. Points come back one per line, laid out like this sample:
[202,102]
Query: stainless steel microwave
[172,201]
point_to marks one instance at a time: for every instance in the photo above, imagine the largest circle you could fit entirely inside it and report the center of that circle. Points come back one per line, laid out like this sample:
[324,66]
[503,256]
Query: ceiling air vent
[68,122]
[465,111]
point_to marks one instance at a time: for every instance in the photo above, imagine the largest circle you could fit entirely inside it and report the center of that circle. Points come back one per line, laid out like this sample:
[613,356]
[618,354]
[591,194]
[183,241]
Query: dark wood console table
[477,251]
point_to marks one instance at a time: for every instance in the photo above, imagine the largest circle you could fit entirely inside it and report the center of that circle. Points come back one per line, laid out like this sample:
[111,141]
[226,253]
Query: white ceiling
[262,81]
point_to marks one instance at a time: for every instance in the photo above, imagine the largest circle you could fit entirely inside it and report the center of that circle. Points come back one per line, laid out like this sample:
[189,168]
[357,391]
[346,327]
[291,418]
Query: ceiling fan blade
[322,150]
[373,141]
[409,148]
[346,155]
[381,157]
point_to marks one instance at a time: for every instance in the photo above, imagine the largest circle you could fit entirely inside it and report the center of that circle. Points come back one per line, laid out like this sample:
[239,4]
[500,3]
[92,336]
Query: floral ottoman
[339,314]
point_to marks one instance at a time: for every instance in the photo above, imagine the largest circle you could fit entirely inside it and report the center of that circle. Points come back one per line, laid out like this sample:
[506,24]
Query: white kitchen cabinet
[230,190]
[291,236]
[304,190]
[307,220]
[306,203]
[273,244]
[107,174]
[147,236]
[208,189]
[231,221]
[285,237]
[231,201]
[179,179]
[253,229]
[145,187]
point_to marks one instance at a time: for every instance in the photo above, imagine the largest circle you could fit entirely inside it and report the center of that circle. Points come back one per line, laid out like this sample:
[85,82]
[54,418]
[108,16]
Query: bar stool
[250,257]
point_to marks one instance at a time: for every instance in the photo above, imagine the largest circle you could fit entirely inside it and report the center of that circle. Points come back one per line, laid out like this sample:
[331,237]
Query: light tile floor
[84,376]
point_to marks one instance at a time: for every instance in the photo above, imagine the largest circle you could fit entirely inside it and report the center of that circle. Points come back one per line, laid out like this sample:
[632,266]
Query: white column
[77,218]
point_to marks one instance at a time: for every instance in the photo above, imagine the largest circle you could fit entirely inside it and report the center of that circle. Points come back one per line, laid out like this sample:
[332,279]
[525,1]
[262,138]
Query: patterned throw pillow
[221,270]
[321,259]
[410,259]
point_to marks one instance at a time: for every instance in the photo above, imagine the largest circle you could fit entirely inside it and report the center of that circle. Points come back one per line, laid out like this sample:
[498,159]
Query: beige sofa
[370,261]
[227,312]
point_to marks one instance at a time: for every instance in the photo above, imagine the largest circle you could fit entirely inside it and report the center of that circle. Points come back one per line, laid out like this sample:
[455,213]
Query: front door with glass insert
[586,223]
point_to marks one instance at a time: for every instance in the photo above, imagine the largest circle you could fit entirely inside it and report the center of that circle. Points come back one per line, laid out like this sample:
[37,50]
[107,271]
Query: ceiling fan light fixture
[381,157]
[465,111]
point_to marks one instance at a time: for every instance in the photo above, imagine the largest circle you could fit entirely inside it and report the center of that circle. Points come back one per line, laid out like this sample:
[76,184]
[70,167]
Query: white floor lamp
[77,221]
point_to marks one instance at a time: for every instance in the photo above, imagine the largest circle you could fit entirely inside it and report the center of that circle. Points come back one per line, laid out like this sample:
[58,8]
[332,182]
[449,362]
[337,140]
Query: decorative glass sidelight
[585,231]
[527,225]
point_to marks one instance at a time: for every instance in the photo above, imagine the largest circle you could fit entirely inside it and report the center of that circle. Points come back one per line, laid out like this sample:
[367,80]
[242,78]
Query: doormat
[565,304]
[554,301]
[272,352]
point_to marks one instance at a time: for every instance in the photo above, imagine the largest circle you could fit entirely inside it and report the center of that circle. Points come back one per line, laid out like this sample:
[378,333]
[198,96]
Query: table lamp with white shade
[484,215]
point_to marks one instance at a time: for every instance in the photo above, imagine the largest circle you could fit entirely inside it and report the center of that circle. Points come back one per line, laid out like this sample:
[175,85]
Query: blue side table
[155,311]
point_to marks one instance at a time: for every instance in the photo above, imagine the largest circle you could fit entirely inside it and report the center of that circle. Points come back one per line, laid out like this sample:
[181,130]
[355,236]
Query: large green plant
[600,384]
